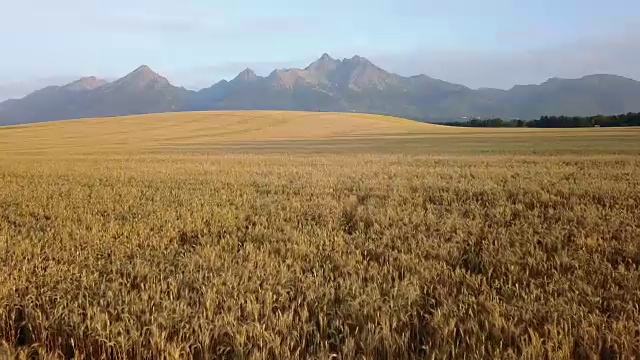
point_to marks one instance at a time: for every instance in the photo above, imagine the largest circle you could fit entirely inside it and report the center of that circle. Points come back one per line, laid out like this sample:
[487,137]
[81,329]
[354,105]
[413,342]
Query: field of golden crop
[274,235]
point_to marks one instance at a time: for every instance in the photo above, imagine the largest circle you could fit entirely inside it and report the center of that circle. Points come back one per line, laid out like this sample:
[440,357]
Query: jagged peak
[323,65]
[289,72]
[246,75]
[357,59]
[362,63]
[141,77]
[287,78]
[280,72]
[143,69]
[326,57]
[358,73]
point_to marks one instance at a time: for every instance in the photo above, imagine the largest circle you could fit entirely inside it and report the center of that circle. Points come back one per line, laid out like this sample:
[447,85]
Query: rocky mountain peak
[85,83]
[324,65]
[246,75]
[142,77]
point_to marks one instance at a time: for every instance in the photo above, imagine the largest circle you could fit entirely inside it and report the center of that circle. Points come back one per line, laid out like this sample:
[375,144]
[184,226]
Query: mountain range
[328,84]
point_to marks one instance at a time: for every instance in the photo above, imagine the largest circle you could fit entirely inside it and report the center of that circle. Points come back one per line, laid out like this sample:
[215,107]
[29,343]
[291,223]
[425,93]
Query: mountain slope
[142,91]
[354,85]
[327,84]
[50,103]
[357,85]
[85,83]
[590,95]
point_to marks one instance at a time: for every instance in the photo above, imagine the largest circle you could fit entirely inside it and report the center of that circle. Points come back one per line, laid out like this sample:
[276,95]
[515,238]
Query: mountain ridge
[350,85]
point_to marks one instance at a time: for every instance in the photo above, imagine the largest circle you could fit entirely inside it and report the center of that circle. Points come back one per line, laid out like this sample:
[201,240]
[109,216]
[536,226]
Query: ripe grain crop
[143,252]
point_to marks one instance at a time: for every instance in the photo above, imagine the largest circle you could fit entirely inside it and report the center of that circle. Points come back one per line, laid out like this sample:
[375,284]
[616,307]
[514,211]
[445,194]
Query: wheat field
[288,235]
[143,132]
[300,132]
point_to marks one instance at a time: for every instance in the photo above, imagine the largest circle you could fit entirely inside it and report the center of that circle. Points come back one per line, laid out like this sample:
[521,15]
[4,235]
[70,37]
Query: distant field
[300,132]
[277,235]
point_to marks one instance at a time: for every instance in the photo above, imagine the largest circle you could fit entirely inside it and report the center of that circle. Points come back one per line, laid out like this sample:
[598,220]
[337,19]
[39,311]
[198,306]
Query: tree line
[629,119]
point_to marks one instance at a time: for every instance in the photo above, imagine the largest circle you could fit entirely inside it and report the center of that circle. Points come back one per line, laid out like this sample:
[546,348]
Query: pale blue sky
[195,43]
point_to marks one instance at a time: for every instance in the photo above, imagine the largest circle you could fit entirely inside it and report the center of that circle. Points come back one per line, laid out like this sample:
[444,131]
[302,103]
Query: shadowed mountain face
[350,85]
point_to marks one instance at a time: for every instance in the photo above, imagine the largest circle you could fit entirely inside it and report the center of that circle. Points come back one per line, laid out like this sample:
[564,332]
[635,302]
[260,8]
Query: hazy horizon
[497,43]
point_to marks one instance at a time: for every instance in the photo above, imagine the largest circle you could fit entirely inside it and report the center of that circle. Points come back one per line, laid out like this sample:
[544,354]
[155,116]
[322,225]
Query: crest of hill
[185,129]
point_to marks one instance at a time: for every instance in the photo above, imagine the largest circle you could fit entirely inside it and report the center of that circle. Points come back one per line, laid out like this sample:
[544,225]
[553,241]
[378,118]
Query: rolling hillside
[181,129]
[297,132]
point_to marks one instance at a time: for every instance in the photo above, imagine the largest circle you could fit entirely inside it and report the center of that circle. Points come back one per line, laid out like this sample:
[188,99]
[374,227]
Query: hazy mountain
[20,89]
[590,95]
[50,103]
[323,66]
[283,89]
[85,83]
[327,84]
[142,91]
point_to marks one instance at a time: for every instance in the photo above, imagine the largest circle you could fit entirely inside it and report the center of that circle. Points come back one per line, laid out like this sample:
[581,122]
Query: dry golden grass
[294,132]
[143,251]
[175,129]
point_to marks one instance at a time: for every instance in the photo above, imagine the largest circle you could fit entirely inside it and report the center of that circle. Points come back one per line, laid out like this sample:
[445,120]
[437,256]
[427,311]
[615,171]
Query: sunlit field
[300,133]
[271,235]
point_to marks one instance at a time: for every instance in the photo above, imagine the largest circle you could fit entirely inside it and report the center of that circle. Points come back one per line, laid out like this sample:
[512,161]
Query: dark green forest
[629,119]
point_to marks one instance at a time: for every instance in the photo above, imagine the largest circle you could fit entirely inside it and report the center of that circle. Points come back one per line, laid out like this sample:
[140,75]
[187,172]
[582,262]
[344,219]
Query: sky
[490,43]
